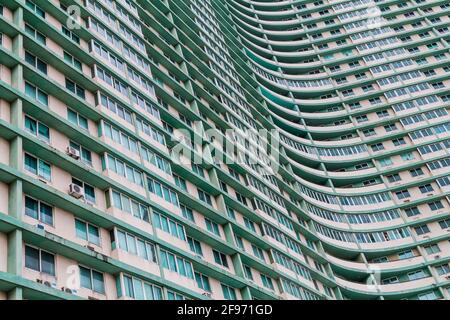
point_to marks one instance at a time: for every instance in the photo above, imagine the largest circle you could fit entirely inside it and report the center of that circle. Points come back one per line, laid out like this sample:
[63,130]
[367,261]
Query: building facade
[201,149]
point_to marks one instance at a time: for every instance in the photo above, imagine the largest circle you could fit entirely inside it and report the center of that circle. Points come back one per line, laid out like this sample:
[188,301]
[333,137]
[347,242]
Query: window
[428,296]
[212,227]
[230,213]
[75,88]
[416,275]
[205,197]
[393,177]
[426,188]
[140,290]
[416,172]
[37,128]
[175,296]
[390,280]
[85,154]
[390,127]
[176,264]
[89,191]
[202,282]
[35,8]
[120,137]
[414,211]
[124,170]
[36,62]
[432,249]
[91,279]
[239,242]
[38,211]
[156,160]
[407,156]
[195,246]
[168,225]
[70,35]
[135,246]
[443,269]
[444,224]
[403,194]
[229,293]
[267,282]
[187,213]
[77,119]
[398,142]
[39,37]
[87,232]
[72,61]
[162,191]
[180,182]
[220,258]
[405,255]
[36,93]
[258,252]
[249,224]
[127,205]
[386,162]
[248,272]
[37,167]
[198,170]
[377,147]
[423,229]
[39,260]
[437,205]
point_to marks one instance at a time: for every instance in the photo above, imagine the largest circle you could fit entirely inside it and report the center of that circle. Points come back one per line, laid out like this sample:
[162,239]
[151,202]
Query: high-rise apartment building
[233,149]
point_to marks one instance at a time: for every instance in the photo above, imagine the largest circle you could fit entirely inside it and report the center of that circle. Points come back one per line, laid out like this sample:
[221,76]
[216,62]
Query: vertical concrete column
[237,261]
[15,196]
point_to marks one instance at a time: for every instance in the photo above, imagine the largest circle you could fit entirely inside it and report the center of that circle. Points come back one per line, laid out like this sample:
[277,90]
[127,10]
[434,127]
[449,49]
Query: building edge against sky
[344,105]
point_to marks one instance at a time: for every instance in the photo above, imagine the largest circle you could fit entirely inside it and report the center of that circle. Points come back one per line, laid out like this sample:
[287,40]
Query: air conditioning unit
[436,257]
[74,153]
[76,191]
[68,290]
[90,248]
[40,226]
[206,294]
[46,283]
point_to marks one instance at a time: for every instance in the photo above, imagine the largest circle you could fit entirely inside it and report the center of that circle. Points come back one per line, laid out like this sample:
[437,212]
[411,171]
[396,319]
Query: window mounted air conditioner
[206,294]
[74,153]
[46,283]
[68,290]
[76,191]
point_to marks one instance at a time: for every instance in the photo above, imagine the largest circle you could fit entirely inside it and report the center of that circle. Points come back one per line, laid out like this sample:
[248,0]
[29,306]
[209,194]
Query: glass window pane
[138,290]
[31,208]
[131,241]
[122,240]
[128,283]
[32,258]
[48,263]
[94,235]
[46,215]
[30,164]
[80,229]
[99,285]
[85,278]
[148,291]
